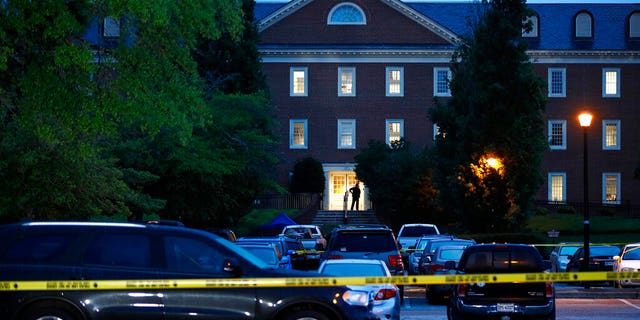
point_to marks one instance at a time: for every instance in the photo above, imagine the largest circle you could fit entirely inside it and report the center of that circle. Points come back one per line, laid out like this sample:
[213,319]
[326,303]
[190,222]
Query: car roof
[362,227]
[363,261]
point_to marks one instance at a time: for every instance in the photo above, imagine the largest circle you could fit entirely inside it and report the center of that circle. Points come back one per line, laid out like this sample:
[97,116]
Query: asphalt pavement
[569,291]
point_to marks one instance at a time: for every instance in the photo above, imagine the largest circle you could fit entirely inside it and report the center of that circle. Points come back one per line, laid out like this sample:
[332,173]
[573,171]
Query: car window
[119,250]
[502,261]
[364,241]
[40,249]
[632,253]
[450,254]
[436,244]
[267,254]
[353,269]
[191,255]
[417,231]
[603,251]
[568,251]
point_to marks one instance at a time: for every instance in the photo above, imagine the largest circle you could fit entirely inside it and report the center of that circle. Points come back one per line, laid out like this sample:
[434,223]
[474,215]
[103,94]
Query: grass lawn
[603,229]
[255,218]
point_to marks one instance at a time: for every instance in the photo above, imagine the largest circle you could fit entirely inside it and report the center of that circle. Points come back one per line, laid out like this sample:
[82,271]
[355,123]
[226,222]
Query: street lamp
[585,122]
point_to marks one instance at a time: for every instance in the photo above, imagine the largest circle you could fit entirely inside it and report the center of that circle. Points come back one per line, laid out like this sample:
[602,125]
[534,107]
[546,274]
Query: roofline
[404,9]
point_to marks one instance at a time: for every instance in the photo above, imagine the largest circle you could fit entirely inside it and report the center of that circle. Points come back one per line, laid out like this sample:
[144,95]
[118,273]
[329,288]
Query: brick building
[342,73]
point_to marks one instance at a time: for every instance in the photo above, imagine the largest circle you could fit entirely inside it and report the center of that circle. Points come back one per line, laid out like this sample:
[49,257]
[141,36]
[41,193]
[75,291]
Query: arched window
[346,13]
[634,25]
[535,26]
[584,25]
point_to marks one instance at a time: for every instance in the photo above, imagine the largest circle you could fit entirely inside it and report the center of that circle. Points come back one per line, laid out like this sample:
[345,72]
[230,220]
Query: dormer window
[533,33]
[346,13]
[584,25]
[634,25]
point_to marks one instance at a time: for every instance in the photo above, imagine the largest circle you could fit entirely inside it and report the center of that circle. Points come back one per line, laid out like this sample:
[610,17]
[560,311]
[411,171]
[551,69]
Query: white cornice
[281,13]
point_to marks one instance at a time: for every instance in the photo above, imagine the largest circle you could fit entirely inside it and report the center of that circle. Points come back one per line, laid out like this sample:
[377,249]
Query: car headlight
[356,298]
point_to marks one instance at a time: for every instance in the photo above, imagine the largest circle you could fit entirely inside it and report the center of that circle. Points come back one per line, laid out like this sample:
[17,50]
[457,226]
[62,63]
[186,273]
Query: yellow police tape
[152,284]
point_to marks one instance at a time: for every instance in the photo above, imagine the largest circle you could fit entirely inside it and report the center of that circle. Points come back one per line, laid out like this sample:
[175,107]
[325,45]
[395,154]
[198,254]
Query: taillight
[462,290]
[549,289]
[334,257]
[396,261]
[385,294]
[435,267]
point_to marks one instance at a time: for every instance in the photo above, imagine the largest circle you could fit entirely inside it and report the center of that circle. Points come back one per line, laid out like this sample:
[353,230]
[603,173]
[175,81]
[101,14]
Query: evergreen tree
[495,111]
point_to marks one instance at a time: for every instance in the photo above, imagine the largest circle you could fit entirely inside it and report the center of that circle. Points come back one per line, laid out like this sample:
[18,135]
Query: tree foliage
[126,128]
[308,176]
[495,111]
[398,179]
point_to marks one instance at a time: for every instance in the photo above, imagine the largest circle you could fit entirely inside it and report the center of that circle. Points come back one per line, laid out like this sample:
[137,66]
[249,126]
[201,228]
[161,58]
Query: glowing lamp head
[585,119]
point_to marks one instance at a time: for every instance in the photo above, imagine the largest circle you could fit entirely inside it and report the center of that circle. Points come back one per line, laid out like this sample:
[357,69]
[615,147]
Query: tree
[308,176]
[80,139]
[410,198]
[495,111]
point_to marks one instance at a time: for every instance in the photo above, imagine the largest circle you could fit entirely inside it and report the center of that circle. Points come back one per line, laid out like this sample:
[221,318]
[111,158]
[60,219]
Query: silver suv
[366,241]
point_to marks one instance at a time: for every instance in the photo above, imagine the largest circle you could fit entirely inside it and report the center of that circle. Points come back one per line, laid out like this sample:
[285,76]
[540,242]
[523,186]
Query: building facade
[342,73]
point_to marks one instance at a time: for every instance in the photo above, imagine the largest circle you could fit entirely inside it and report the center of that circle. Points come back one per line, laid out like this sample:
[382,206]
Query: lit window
[395,81]
[611,82]
[346,82]
[583,25]
[557,85]
[557,133]
[111,27]
[557,188]
[533,33]
[346,134]
[298,81]
[441,79]
[298,134]
[395,131]
[611,187]
[611,134]
[634,25]
[346,13]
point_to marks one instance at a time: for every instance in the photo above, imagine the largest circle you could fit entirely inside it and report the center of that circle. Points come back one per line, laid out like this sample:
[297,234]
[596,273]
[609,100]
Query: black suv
[365,241]
[83,251]
[535,300]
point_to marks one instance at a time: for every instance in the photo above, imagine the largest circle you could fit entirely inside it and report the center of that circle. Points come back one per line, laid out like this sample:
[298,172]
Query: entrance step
[336,217]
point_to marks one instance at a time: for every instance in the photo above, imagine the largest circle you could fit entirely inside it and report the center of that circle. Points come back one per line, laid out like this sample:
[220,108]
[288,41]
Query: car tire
[306,315]
[453,313]
[48,313]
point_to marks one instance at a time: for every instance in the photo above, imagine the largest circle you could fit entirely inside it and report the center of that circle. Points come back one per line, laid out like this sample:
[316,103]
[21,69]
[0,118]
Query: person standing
[355,196]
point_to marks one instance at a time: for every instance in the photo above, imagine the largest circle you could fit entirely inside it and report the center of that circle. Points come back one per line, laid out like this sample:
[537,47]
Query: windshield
[267,254]
[632,253]
[353,269]
[568,251]
[417,231]
[451,254]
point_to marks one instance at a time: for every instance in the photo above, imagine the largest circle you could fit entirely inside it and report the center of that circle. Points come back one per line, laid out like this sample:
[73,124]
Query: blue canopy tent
[275,226]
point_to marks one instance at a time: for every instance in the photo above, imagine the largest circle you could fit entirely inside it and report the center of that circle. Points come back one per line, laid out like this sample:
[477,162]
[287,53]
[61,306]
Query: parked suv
[83,251]
[367,241]
[534,300]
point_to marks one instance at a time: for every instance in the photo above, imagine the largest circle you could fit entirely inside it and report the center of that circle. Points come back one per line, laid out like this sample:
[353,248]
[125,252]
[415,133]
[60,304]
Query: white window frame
[389,123]
[342,126]
[583,24]
[634,25]
[550,73]
[617,175]
[550,187]
[550,124]
[292,138]
[389,82]
[606,123]
[436,83]
[534,27]
[342,70]
[292,81]
[606,83]
[342,6]
[111,27]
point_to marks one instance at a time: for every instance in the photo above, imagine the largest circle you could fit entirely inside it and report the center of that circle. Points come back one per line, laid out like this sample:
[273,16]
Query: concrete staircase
[328,217]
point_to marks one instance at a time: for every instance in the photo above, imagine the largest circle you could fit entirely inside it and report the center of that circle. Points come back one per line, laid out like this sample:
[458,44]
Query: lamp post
[585,122]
